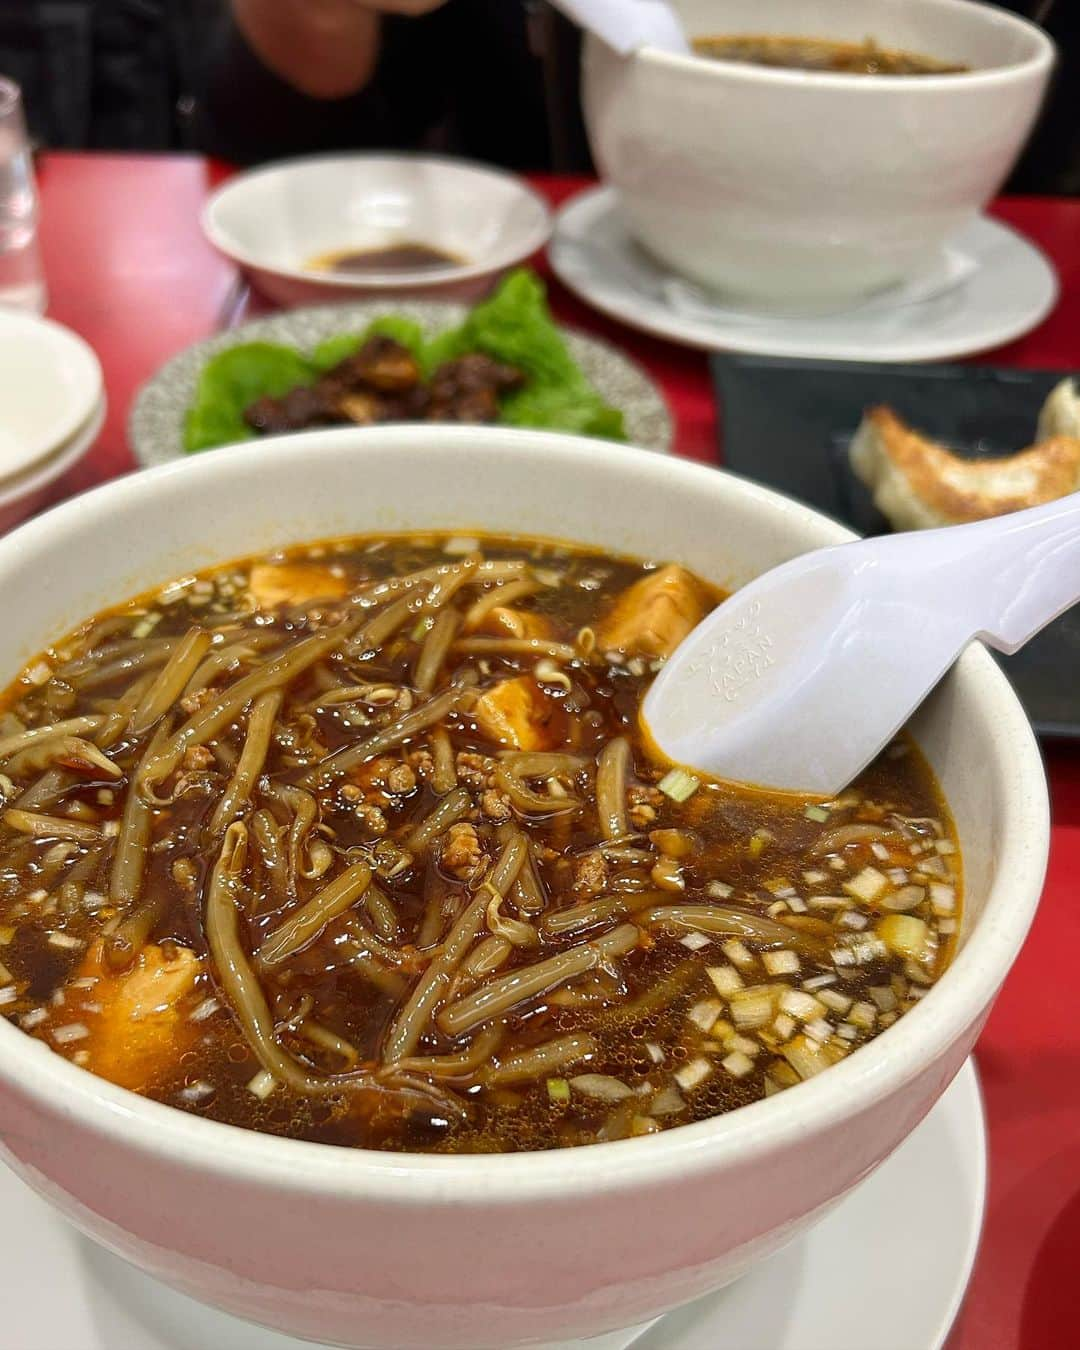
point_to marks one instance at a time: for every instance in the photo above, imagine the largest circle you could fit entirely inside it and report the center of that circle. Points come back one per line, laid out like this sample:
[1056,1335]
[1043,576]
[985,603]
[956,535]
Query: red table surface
[128,268]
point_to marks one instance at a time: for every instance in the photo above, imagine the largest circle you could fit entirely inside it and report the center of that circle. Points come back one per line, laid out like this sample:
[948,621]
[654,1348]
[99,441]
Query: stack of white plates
[52,406]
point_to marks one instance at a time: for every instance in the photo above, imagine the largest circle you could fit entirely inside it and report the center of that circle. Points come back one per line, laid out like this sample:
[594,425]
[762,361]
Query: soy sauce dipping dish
[283,223]
[360,1248]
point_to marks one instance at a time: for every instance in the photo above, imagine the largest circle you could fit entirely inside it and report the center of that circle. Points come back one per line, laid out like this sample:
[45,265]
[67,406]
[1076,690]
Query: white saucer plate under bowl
[156,427]
[277,221]
[28,492]
[50,385]
[989,287]
[885,1270]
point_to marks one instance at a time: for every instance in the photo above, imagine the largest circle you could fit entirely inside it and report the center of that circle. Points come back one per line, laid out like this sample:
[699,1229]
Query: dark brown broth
[403,257]
[755,843]
[822,55]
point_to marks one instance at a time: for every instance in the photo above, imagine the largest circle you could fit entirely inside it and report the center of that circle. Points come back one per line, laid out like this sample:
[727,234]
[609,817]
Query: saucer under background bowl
[26,493]
[156,428]
[52,408]
[989,287]
[275,220]
[51,384]
[936,1180]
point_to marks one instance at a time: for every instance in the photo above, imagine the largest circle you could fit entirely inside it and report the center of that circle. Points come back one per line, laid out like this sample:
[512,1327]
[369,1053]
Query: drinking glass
[22,281]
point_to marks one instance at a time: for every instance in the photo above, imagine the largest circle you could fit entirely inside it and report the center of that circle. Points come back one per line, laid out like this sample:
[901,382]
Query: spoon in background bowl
[626,25]
[801,677]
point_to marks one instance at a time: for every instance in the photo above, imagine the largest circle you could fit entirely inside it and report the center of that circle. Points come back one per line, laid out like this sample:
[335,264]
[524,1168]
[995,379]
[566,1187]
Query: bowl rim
[1040,58]
[529,242]
[882,1067]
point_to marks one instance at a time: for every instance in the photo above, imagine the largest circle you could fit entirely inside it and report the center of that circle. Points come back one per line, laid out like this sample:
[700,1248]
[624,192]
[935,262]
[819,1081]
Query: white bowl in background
[803,188]
[273,221]
[361,1248]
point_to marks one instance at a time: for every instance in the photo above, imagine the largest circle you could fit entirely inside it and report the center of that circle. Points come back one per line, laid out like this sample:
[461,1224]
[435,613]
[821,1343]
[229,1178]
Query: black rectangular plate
[788,424]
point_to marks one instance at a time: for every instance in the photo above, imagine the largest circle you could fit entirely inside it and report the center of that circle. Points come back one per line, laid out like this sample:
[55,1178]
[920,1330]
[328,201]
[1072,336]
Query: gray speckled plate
[157,417]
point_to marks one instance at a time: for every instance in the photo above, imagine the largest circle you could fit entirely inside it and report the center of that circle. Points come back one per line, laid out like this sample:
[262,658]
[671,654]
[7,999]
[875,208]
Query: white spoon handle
[1016,573]
[1037,573]
[626,25]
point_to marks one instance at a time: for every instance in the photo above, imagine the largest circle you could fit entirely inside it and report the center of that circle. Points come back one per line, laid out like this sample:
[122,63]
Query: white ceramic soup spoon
[626,25]
[801,677]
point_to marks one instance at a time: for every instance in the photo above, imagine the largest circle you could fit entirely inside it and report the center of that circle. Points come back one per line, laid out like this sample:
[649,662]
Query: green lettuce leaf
[232,380]
[444,346]
[579,411]
[513,325]
[333,350]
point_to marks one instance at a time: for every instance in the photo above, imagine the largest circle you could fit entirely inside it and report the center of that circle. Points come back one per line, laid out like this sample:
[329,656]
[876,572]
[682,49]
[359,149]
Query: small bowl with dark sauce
[348,226]
[403,256]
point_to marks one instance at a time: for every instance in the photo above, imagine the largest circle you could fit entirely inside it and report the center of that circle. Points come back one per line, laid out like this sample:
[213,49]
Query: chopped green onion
[558,1091]
[739,953]
[805,1056]
[667,1102]
[738,1064]
[679,785]
[867,886]
[758,840]
[460,545]
[263,1084]
[907,936]
[705,1013]
[818,813]
[726,980]
[692,1075]
[601,1085]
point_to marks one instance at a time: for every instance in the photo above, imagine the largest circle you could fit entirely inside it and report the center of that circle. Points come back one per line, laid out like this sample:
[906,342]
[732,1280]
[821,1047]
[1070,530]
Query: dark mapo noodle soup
[361,844]
[821,55]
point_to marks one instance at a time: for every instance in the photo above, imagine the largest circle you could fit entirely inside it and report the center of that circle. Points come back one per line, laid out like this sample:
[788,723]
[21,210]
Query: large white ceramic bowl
[798,188]
[273,221]
[461,1253]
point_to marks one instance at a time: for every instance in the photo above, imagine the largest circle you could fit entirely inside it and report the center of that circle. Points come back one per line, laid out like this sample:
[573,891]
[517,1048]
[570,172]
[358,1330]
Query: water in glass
[22,281]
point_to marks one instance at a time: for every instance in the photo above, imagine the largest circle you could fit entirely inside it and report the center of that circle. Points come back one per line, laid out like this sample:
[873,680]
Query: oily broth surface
[822,55]
[757,844]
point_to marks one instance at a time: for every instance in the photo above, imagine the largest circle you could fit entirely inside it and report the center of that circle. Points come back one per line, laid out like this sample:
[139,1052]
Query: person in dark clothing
[261,79]
[107,74]
[496,79]
[475,77]
[251,80]
[1051,161]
